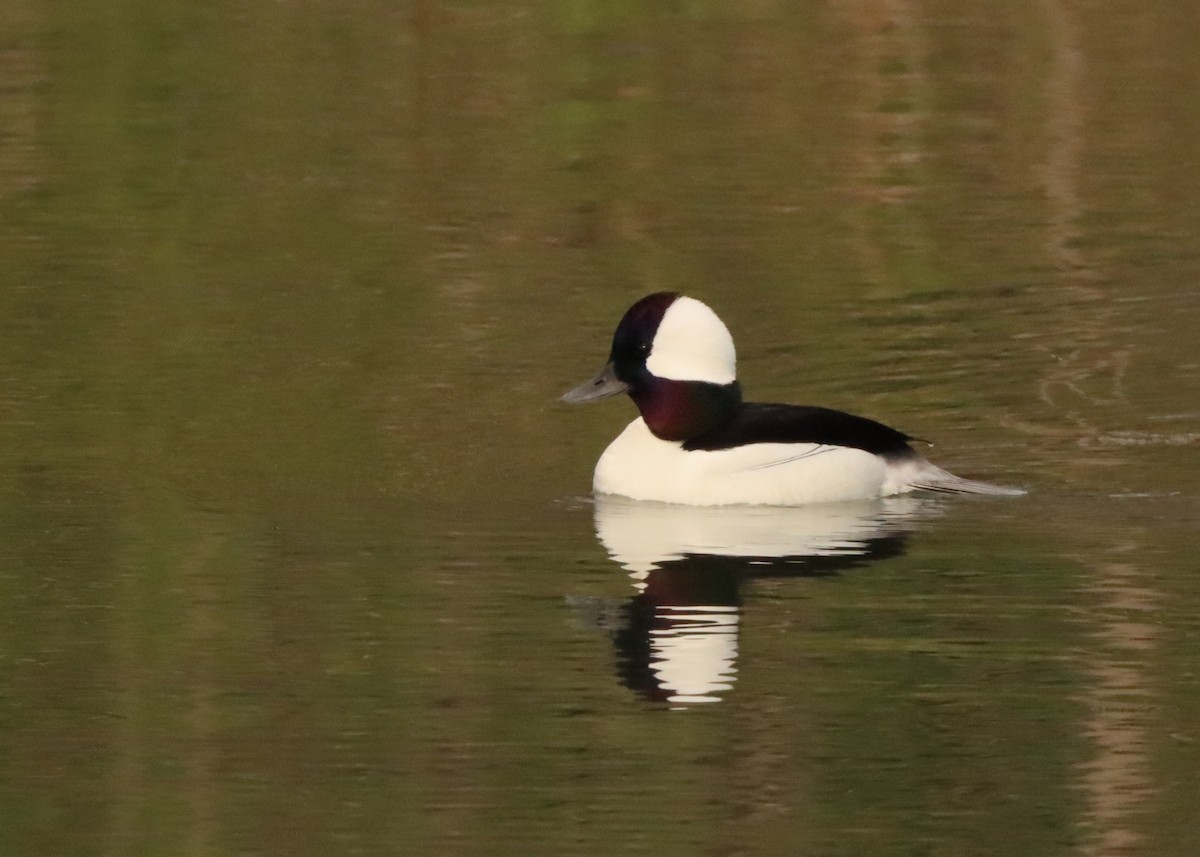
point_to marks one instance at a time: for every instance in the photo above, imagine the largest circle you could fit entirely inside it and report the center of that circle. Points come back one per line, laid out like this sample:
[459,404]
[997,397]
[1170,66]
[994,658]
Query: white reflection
[678,640]
[693,655]
[643,536]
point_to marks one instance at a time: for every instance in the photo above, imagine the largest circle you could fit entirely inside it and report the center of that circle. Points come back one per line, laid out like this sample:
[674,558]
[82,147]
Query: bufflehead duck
[697,443]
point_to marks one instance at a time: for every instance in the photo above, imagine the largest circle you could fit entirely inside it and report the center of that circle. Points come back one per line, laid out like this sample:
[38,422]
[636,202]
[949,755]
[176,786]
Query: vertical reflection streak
[1065,127]
[890,54]
[1065,384]
[1117,781]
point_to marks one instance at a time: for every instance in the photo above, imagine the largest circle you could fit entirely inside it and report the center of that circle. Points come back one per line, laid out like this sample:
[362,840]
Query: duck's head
[676,360]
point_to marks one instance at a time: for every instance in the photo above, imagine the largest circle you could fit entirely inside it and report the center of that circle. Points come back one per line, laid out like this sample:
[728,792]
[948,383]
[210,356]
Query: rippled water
[296,548]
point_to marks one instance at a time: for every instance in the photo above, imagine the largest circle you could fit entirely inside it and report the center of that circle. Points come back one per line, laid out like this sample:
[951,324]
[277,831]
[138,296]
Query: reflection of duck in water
[676,639]
[698,443]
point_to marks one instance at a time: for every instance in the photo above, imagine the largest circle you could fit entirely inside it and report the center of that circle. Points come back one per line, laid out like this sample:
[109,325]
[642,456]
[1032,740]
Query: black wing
[764,423]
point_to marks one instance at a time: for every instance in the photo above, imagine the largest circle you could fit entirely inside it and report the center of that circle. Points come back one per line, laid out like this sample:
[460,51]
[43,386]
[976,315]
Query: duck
[697,443]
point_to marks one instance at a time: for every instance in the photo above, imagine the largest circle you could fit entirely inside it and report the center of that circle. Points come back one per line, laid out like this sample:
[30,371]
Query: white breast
[639,465]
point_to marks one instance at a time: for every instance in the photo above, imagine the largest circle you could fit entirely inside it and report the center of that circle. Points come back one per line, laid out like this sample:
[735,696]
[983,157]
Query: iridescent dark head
[676,360]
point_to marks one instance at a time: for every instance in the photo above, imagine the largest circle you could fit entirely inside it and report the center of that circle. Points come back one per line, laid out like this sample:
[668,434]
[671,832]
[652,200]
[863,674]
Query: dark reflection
[676,639]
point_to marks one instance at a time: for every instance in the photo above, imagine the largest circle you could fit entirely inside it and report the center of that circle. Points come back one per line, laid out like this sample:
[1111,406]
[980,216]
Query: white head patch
[692,344]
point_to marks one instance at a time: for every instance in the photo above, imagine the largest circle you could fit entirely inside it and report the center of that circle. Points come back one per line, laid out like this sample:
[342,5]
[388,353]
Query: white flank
[692,344]
[639,465]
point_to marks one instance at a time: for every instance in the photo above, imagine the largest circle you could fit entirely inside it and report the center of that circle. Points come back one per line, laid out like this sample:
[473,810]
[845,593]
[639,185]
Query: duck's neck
[679,410]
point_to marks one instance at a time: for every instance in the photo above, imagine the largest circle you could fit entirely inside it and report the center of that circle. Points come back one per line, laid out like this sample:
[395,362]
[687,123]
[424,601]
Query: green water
[296,549]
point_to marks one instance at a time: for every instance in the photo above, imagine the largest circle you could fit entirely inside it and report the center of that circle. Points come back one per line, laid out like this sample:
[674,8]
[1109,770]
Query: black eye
[643,348]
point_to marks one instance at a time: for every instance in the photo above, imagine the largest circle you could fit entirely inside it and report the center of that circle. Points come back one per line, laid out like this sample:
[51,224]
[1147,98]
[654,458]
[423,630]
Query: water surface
[296,548]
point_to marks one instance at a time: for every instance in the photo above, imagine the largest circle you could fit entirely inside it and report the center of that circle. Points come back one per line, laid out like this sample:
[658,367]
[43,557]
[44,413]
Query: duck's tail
[932,478]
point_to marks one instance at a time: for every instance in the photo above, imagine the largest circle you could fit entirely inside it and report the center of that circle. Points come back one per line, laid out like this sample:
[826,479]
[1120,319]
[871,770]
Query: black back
[771,423]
